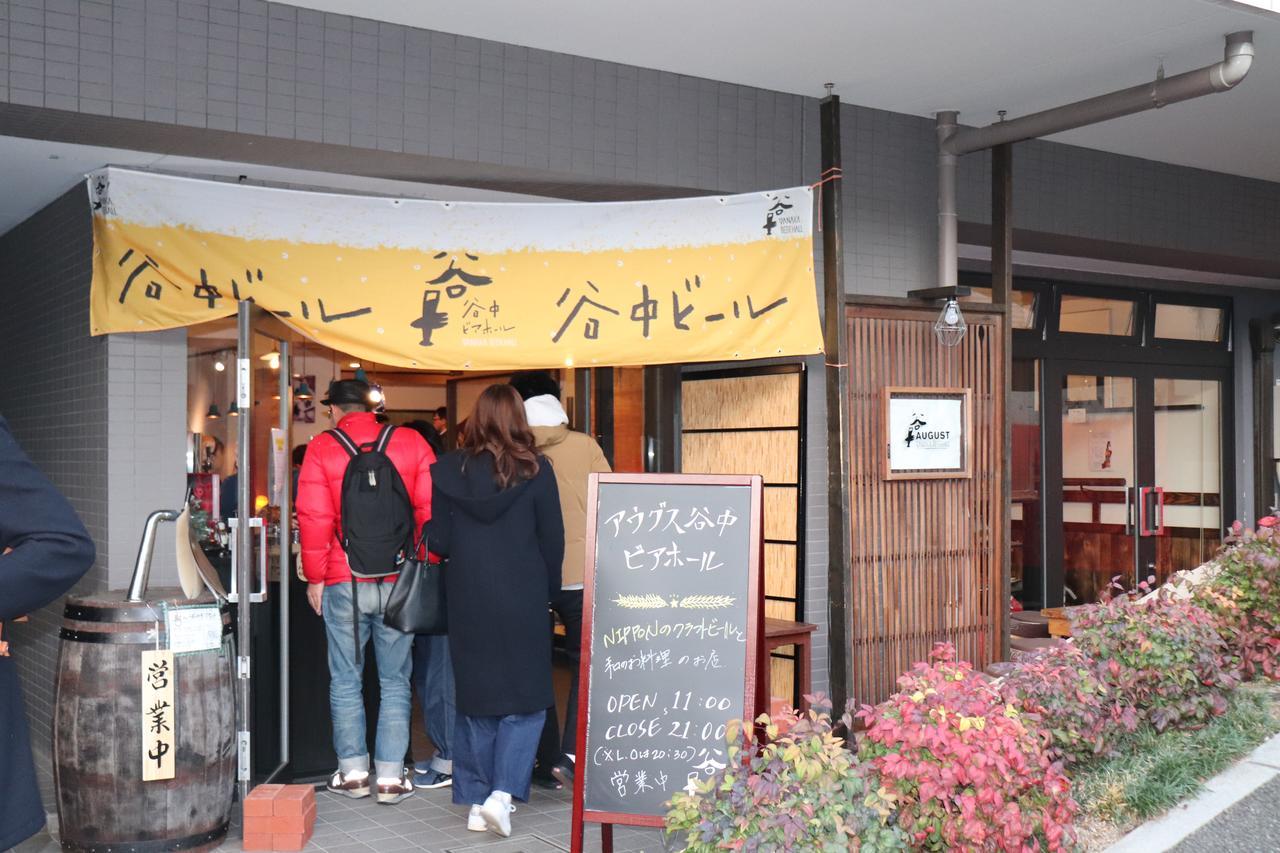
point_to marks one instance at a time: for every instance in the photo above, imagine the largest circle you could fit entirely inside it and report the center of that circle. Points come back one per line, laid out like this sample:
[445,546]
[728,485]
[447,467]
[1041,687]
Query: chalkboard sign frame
[754,681]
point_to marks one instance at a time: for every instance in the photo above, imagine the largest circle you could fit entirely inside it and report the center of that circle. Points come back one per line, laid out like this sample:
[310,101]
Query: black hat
[346,392]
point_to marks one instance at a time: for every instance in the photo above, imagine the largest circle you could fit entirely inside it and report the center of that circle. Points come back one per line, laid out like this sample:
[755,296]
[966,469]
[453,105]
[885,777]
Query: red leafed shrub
[1080,711]
[966,771]
[1163,656]
[1245,596]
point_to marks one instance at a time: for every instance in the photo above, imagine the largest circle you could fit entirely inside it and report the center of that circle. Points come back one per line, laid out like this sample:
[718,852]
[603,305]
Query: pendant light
[214,414]
[361,376]
[303,391]
[950,327]
[233,411]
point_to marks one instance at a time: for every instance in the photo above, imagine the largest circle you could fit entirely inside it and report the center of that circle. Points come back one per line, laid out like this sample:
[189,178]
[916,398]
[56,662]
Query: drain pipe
[953,142]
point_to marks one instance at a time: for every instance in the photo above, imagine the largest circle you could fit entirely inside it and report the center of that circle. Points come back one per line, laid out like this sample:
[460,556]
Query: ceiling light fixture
[950,327]
[214,414]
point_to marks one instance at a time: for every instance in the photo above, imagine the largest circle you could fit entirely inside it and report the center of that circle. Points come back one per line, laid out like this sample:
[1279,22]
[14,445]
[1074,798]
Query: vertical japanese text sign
[672,638]
[159,715]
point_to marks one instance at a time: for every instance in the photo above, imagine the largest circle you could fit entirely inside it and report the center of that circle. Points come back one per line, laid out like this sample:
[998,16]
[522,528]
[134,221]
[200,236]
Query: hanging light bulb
[233,411]
[214,414]
[950,327]
[219,366]
[272,359]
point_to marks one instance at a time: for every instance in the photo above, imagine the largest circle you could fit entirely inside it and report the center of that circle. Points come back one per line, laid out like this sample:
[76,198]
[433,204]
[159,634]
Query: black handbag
[417,601]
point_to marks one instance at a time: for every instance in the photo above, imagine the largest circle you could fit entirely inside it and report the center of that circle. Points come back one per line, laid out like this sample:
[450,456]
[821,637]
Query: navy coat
[50,552]
[505,547]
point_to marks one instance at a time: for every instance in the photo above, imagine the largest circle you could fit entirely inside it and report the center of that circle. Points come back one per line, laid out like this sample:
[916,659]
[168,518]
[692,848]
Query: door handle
[1144,516]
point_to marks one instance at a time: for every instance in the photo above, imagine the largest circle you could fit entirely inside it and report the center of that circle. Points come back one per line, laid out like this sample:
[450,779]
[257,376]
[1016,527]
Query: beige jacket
[574,455]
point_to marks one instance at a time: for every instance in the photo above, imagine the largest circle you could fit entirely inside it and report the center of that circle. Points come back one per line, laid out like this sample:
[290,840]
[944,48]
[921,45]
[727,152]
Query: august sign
[671,638]
[927,433]
[456,285]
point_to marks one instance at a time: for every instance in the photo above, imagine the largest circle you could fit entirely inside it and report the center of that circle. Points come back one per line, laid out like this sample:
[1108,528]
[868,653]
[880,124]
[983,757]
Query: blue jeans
[494,754]
[433,679]
[393,651]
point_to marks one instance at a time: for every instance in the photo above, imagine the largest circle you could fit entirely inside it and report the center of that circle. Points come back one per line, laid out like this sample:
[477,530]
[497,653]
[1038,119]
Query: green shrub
[966,770]
[1245,597]
[1081,711]
[1164,657]
[800,790]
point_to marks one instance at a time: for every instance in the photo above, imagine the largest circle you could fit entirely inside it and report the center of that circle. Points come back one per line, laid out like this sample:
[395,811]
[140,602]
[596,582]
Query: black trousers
[553,745]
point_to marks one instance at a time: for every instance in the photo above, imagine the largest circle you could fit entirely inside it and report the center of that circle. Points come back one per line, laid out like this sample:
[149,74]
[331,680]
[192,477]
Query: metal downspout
[954,141]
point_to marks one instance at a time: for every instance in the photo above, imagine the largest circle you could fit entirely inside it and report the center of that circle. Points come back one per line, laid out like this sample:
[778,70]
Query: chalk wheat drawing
[706,602]
[640,602]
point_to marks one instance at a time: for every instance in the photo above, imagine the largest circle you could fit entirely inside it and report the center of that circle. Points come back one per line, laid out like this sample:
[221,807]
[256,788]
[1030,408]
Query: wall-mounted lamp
[950,327]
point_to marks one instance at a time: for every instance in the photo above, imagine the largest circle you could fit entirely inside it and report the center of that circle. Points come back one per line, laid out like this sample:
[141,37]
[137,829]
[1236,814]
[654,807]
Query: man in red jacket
[329,590]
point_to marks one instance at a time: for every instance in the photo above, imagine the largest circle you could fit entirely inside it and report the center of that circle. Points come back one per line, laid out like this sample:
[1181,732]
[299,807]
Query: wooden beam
[1001,294]
[839,602]
[1262,341]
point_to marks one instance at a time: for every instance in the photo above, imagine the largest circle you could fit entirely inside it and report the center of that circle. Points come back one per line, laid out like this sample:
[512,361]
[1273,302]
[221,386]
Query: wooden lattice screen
[926,556]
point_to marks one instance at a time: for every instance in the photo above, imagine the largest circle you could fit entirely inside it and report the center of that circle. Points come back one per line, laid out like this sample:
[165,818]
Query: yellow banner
[462,286]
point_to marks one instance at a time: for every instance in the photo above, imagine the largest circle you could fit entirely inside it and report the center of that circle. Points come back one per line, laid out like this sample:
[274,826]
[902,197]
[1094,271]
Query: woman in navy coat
[495,512]
[46,550]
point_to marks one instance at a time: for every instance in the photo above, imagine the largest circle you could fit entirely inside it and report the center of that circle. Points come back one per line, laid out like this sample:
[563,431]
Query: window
[1022,311]
[1091,315]
[1189,322]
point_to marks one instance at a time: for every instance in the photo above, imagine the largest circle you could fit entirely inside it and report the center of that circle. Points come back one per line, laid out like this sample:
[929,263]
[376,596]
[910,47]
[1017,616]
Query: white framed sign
[194,629]
[928,433]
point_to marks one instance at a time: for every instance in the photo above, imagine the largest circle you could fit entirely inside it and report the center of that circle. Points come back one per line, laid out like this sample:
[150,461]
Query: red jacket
[320,491]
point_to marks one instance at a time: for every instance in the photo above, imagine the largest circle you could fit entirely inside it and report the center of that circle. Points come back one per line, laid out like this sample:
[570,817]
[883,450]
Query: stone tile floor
[429,822]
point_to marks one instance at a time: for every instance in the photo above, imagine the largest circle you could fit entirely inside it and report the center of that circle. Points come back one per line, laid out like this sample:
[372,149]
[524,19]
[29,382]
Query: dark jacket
[50,552]
[505,547]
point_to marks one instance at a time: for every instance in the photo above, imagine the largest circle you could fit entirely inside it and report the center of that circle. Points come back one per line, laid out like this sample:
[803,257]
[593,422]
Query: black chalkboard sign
[672,632]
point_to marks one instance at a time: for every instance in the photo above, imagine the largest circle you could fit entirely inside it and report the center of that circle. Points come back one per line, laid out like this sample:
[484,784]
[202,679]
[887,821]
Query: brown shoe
[394,793]
[356,789]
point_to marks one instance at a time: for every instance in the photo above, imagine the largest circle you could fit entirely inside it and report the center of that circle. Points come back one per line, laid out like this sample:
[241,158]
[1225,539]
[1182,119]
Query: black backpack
[377,515]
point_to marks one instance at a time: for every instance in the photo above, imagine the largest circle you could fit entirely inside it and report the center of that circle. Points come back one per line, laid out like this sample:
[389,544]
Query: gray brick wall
[104,418]
[890,201]
[53,391]
[277,70]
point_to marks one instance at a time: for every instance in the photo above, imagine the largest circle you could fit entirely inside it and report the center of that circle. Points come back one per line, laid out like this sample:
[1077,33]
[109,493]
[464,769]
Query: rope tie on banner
[835,173]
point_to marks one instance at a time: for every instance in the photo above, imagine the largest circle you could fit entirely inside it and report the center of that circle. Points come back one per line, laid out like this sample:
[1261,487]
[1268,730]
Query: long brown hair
[498,425]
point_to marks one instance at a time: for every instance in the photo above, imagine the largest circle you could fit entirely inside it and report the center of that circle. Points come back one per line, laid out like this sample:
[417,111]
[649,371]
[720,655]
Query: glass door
[1097,472]
[1133,474]
[1182,507]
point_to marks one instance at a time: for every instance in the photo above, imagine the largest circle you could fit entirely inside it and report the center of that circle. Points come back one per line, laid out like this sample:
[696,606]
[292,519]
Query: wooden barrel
[103,804]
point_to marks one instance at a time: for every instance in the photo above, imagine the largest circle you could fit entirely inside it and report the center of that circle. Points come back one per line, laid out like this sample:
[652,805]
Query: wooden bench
[779,633]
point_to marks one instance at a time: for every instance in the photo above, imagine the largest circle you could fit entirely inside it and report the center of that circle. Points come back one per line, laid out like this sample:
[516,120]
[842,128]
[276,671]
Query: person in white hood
[575,456]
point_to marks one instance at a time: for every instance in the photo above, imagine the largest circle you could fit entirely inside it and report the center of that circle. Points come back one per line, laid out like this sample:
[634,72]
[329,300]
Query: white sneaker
[475,820]
[496,813]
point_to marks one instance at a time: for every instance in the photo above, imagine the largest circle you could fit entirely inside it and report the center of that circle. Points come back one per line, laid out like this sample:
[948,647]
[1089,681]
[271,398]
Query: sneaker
[354,785]
[496,813]
[475,820]
[393,791]
[432,779]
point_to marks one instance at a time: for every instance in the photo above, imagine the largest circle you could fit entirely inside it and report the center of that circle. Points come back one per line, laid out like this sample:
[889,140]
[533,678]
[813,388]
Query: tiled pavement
[428,821]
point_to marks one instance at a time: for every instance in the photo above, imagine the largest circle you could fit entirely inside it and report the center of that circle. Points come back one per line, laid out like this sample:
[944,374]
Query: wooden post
[1262,341]
[1002,294]
[839,605]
